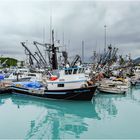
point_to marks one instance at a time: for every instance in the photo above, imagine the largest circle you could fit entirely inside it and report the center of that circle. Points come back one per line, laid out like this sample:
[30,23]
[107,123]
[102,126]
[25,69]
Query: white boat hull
[112,90]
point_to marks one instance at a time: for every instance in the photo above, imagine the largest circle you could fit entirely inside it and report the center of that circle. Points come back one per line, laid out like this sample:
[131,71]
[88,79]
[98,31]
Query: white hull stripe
[55,93]
[20,89]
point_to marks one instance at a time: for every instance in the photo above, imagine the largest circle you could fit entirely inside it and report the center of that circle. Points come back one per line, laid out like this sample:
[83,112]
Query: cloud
[73,21]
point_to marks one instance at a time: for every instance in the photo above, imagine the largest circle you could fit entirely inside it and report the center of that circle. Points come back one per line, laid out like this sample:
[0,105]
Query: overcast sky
[72,21]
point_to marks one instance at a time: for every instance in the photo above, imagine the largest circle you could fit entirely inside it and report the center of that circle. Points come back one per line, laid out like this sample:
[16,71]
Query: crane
[76,59]
[41,56]
[40,59]
[30,54]
[48,49]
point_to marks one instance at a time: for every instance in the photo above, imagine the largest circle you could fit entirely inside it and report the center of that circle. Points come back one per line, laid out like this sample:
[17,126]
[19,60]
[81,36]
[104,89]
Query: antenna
[43,34]
[105,38]
[51,26]
[68,46]
[64,41]
[82,51]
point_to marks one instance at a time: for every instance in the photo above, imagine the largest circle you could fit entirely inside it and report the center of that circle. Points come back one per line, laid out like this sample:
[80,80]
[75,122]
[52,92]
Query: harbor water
[106,116]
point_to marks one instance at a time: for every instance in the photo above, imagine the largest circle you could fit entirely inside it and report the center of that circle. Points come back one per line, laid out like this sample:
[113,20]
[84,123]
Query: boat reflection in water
[134,94]
[34,118]
[1,102]
[3,98]
[59,119]
[105,105]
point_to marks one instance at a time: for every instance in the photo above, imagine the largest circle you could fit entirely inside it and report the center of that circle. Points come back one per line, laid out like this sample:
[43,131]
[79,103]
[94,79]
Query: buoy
[53,78]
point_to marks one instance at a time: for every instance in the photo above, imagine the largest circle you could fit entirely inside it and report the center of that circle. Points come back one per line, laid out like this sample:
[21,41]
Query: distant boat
[16,74]
[111,90]
[4,86]
[135,80]
[113,87]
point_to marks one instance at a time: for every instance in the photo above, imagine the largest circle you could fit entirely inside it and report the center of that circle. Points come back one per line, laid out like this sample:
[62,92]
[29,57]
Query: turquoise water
[107,116]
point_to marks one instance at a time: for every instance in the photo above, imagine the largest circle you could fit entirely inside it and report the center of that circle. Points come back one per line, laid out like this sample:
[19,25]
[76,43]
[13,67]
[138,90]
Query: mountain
[136,61]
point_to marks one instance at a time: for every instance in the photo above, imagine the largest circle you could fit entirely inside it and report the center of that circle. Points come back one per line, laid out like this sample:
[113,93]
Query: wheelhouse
[72,71]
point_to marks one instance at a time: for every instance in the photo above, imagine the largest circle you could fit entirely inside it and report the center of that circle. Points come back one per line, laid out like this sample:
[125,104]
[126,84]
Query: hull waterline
[84,94]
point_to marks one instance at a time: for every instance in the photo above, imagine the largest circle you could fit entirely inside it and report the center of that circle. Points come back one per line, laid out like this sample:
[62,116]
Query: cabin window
[14,73]
[79,70]
[75,71]
[19,73]
[66,72]
[56,73]
[60,85]
[31,75]
[70,71]
[22,71]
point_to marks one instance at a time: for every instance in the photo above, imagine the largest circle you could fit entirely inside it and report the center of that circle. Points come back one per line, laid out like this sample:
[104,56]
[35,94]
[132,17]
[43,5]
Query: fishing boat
[67,83]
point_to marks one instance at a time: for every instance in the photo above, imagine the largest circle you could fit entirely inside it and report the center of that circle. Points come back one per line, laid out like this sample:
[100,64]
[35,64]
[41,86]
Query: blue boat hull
[85,94]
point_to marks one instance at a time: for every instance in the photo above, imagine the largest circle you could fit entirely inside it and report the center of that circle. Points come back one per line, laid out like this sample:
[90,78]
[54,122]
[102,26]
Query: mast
[51,26]
[54,55]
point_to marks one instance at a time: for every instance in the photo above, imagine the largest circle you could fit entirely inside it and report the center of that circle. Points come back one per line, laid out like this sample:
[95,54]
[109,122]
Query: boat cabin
[67,78]
[67,72]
